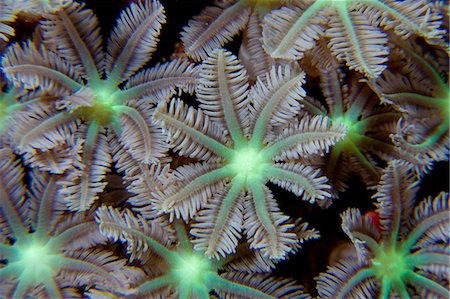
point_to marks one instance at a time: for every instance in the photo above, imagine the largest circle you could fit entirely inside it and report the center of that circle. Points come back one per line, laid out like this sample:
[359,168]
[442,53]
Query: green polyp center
[247,162]
[191,269]
[349,125]
[37,260]
[103,109]
[33,253]
[391,265]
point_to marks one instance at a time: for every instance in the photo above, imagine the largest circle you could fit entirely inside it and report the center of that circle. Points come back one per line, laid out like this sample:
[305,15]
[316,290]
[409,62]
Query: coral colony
[228,166]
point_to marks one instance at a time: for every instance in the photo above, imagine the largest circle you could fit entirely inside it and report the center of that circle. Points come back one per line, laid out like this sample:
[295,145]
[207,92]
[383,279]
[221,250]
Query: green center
[33,253]
[191,269]
[353,132]
[36,260]
[102,110]
[247,162]
[104,97]
[391,265]
[345,122]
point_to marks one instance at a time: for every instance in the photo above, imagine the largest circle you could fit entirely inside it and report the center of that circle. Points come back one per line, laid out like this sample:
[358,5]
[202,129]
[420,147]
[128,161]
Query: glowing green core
[247,162]
[33,253]
[351,127]
[36,259]
[102,109]
[191,269]
[391,265]
[345,122]
[104,97]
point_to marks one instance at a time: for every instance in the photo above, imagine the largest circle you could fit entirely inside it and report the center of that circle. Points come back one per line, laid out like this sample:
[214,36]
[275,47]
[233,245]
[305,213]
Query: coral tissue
[212,159]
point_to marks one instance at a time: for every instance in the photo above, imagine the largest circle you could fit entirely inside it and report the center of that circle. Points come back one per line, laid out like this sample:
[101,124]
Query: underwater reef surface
[224,149]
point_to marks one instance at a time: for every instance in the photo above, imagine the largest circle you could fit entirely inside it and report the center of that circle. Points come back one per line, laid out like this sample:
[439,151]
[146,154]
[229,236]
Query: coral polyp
[224,149]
